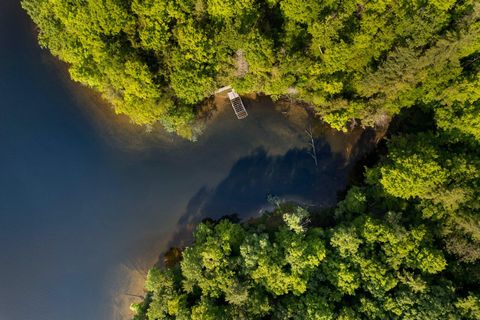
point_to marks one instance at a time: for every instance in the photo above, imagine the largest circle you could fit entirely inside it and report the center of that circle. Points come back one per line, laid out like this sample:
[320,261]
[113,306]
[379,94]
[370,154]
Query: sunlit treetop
[155,60]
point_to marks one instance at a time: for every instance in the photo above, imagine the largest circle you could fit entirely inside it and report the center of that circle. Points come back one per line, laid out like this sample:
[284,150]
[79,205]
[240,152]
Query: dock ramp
[237,105]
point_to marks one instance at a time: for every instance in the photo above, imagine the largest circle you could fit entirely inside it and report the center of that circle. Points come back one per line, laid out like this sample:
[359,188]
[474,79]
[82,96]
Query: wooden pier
[237,105]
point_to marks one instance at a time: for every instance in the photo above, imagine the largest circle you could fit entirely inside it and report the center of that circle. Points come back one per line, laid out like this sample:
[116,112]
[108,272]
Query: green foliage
[355,202]
[415,171]
[405,245]
[296,221]
[464,119]
[469,306]
[440,175]
[155,60]
[365,267]
[166,296]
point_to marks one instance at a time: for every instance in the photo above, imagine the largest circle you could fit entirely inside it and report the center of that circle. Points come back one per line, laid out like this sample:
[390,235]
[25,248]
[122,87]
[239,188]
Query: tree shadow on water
[292,176]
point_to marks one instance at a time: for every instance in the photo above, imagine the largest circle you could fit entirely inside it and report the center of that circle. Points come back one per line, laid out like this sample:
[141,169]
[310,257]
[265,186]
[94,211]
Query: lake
[88,201]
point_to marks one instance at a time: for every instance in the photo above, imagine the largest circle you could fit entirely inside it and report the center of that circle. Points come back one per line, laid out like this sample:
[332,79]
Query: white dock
[226,88]
[237,105]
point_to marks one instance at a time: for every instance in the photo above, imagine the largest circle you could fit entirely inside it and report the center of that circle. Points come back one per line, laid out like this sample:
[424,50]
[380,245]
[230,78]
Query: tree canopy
[402,244]
[363,268]
[155,60]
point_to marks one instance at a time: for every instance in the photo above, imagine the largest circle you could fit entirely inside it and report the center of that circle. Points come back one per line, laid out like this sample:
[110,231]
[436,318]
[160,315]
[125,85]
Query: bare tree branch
[313,150]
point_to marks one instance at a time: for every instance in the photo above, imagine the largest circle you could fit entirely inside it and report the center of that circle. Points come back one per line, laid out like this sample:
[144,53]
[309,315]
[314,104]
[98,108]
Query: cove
[88,201]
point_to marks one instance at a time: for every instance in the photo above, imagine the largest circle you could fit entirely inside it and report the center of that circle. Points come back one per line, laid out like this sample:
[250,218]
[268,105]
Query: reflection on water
[88,201]
[292,175]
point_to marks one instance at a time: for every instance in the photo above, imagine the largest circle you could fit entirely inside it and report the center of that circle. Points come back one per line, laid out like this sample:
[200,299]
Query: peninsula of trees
[404,243]
[156,60]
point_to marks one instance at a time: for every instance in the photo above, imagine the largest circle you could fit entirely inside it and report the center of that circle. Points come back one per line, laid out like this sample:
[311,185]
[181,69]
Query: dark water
[87,202]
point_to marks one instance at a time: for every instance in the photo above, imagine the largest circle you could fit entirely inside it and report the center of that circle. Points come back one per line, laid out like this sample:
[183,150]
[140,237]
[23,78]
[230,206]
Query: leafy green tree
[354,61]
[280,268]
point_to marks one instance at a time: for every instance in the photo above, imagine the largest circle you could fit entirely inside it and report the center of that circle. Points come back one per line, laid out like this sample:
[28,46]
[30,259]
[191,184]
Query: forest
[403,243]
[352,61]
[404,240]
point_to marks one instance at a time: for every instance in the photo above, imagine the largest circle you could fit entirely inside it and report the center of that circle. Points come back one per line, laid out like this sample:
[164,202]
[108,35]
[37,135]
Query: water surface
[88,201]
